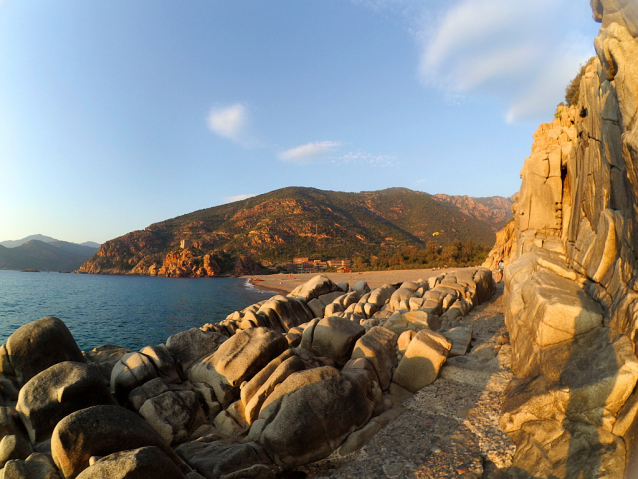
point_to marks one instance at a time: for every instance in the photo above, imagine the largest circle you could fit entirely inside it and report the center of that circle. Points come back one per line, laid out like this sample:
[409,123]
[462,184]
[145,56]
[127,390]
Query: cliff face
[296,222]
[572,283]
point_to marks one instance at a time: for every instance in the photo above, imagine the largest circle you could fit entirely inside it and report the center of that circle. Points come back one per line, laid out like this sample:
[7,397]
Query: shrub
[572,92]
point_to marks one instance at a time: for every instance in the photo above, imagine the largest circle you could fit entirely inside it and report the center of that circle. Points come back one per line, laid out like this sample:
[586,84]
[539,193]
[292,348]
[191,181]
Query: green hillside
[294,221]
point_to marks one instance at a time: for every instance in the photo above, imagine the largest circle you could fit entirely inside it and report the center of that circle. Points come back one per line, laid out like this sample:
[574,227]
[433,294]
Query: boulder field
[280,384]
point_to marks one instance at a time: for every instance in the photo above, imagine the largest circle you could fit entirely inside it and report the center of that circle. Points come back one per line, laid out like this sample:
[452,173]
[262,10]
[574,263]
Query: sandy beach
[285,283]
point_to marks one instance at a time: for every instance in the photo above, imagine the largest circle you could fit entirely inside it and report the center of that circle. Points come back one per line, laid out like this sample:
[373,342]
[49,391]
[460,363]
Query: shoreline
[284,283]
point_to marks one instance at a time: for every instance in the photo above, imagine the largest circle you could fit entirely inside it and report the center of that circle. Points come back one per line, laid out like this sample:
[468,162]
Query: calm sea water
[128,311]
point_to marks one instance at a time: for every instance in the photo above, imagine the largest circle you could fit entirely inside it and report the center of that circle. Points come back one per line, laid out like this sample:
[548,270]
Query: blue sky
[117,114]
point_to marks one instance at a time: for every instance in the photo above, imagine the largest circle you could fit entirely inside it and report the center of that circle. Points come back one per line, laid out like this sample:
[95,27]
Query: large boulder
[249,389]
[100,431]
[398,298]
[423,359]
[14,448]
[105,358]
[188,347]
[284,313]
[318,409]
[334,338]
[290,366]
[56,392]
[214,457]
[175,415]
[36,466]
[379,296]
[246,353]
[378,346]
[164,363]
[34,347]
[130,372]
[314,288]
[145,462]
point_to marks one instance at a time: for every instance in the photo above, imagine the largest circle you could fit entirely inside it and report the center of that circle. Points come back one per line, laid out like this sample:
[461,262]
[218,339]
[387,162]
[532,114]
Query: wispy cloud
[370,159]
[513,49]
[230,122]
[232,199]
[309,152]
[523,53]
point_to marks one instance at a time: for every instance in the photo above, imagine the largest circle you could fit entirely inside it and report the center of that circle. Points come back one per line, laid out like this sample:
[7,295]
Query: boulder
[36,466]
[246,353]
[284,313]
[361,288]
[404,340]
[14,447]
[10,423]
[333,309]
[188,347]
[461,338]
[398,298]
[100,431]
[105,357]
[214,457]
[335,338]
[145,462]
[313,418]
[164,363]
[378,346]
[317,308]
[343,286]
[34,347]
[314,288]
[422,361]
[175,415]
[133,370]
[56,392]
[291,365]
[251,387]
[380,295]
[205,373]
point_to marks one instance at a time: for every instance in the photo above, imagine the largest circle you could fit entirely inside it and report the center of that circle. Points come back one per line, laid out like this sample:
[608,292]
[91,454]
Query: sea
[127,311]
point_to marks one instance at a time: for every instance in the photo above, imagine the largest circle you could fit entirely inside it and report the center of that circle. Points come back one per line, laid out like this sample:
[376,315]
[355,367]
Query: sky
[117,114]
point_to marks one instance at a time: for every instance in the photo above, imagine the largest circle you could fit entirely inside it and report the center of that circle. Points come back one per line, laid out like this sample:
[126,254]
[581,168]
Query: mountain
[289,222]
[91,244]
[16,243]
[493,210]
[35,254]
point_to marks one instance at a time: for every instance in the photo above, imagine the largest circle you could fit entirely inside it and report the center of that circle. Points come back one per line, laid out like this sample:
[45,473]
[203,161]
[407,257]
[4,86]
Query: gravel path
[450,428]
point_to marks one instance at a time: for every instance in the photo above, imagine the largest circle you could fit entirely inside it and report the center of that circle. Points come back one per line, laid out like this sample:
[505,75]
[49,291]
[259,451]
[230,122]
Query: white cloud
[232,199]
[229,122]
[305,154]
[519,51]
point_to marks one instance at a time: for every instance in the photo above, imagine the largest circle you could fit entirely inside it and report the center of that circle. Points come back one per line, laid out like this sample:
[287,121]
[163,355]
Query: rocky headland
[283,383]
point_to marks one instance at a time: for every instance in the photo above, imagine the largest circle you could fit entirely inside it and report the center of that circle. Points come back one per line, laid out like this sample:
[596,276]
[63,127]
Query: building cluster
[307,265]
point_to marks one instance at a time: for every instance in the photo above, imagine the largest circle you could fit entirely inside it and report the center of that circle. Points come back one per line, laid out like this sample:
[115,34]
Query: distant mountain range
[296,221]
[45,254]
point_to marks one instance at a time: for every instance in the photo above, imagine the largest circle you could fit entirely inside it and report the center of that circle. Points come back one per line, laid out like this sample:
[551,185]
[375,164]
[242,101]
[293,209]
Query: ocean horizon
[127,311]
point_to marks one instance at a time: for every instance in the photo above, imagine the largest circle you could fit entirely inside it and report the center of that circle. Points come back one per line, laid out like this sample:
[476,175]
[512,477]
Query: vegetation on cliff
[295,221]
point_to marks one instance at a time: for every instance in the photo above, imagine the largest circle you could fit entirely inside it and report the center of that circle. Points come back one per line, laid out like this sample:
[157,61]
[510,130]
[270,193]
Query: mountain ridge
[40,255]
[292,221]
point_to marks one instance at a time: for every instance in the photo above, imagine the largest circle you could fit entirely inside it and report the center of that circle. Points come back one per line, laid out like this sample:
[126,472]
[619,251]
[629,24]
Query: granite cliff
[571,292]
[276,226]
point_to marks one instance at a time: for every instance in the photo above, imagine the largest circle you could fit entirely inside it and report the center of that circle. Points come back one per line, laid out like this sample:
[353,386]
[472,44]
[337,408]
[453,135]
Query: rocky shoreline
[283,383]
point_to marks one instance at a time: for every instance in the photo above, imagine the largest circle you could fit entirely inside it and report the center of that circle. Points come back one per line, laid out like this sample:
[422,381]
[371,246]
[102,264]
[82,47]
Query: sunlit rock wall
[571,285]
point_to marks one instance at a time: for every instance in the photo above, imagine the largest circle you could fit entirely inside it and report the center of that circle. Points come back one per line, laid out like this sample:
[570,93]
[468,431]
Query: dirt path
[450,428]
